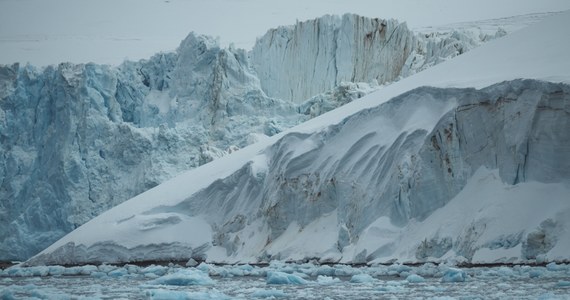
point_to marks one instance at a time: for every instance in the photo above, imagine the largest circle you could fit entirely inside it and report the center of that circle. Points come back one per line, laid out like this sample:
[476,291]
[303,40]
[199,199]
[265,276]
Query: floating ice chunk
[184,277]
[344,270]
[82,270]
[156,270]
[98,274]
[45,293]
[177,295]
[106,268]
[277,277]
[204,267]
[535,273]
[326,280]
[273,293]
[244,270]
[398,269]
[56,270]
[118,272]
[283,267]
[505,272]
[362,278]
[7,294]
[413,278]
[499,272]
[132,269]
[325,270]
[454,275]
[428,270]
[14,272]
[555,267]
[563,283]
[191,263]
[392,287]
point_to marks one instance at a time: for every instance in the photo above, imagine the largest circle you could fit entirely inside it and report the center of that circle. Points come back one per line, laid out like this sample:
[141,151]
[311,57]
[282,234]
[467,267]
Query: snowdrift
[464,161]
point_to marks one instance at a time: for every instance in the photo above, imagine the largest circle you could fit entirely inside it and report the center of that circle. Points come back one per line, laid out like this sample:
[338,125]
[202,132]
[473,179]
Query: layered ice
[77,140]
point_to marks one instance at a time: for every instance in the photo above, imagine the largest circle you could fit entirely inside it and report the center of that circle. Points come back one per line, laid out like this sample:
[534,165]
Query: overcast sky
[108,31]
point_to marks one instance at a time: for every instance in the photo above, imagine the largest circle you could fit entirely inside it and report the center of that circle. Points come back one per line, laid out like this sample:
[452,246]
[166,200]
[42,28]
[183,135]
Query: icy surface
[410,172]
[483,283]
[183,278]
[454,275]
[284,278]
[80,139]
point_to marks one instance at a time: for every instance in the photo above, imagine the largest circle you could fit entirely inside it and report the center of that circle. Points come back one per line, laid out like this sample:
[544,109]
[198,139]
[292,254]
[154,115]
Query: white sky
[108,31]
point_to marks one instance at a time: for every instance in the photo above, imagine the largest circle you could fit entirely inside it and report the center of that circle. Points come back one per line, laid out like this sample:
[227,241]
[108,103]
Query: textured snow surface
[410,172]
[80,139]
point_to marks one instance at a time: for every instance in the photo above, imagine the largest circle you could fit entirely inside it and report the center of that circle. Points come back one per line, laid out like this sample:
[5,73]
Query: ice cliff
[297,62]
[76,140]
[79,139]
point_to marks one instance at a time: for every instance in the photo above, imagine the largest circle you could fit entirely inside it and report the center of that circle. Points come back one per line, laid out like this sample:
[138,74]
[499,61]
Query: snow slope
[461,161]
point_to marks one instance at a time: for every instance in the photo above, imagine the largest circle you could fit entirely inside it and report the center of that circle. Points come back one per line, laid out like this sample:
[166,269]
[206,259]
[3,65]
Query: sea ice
[184,277]
[161,294]
[454,275]
[413,278]
[277,277]
[272,293]
[325,280]
[556,267]
[362,278]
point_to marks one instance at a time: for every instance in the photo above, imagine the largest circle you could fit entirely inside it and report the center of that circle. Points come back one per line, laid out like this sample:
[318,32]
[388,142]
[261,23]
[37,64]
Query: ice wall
[79,139]
[311,57]
[297,62]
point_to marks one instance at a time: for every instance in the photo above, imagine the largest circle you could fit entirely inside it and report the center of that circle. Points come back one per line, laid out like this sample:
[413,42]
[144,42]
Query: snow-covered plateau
[467,161]
[76,140]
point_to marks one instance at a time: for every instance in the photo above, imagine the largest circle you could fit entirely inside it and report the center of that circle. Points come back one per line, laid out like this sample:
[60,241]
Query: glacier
[367,186]
[463,162]
[78,139]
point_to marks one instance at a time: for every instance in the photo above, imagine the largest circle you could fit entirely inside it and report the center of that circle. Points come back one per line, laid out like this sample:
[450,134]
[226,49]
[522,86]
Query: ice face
[80,139]
[318,55]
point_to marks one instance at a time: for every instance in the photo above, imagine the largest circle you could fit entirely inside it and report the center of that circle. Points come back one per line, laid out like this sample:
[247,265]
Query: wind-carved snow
[79,139]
